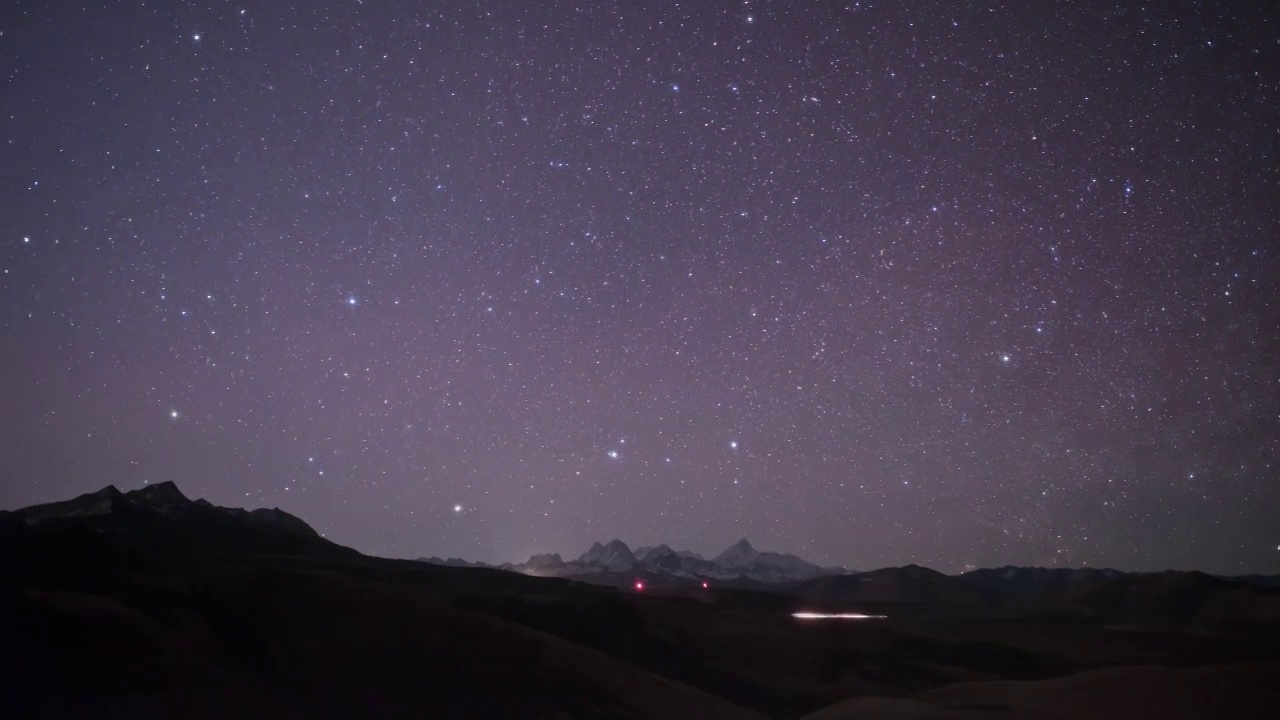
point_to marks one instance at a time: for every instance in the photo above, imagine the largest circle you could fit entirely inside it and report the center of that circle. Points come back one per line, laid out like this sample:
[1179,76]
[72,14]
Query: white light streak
[836,616]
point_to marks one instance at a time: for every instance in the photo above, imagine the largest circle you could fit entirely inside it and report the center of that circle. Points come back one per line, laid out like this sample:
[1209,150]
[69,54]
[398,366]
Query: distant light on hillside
[836,616]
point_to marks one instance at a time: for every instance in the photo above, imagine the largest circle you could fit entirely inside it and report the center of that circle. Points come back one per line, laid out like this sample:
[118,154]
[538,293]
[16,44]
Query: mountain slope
[910,588]
[614,556]
[741,562]
[1026,587]
[738,555]
[1179,598]
[117,606]
[160,520]
[246,641]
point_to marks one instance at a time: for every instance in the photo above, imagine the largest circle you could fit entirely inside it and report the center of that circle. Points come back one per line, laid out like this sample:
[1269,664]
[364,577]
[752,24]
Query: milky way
[871,282]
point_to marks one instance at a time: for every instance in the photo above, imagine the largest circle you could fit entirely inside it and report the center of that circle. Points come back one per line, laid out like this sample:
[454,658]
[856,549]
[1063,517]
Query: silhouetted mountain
[611,563]
[160,519]
[1263,581]
[545,562]
[908,588]
[738,555]
[455,562]
[1026,587]
[615,556]
[149,605]
[1178,598]
[662,558]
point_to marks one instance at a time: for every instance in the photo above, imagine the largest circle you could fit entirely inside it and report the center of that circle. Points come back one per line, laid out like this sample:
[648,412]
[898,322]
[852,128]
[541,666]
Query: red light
[704,586]
[639,585]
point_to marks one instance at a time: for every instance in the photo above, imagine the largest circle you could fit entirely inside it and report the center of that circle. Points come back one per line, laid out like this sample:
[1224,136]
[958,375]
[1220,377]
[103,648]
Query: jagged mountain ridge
[133,624]
[158,521]
[1022,587]
[996,591]
[615,562]
[740,562]
[161,515]
[162,498]
[614,556]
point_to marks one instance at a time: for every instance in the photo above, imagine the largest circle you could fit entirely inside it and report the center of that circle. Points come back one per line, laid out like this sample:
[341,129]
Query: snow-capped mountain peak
[739,555]
[613,556]
[741,562]
[591,555]
[654,554]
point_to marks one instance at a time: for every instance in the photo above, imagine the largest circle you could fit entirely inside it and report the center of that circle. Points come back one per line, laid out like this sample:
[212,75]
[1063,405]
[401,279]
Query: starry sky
[960,284]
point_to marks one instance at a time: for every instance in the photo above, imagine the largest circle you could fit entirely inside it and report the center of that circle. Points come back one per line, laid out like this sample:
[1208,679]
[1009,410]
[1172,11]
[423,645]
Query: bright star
[352,300]
[1005,358]
[613,454]
[457,508]
[733,444]
[196,37]
[175,414]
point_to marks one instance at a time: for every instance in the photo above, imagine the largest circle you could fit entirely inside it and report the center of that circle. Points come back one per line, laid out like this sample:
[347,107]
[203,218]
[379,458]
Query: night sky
[960,284]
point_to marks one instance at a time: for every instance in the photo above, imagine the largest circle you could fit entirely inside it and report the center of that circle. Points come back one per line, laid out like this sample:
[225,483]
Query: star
[652,252]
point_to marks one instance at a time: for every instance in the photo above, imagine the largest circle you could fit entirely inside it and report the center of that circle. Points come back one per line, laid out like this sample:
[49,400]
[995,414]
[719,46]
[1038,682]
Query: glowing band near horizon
[836,616]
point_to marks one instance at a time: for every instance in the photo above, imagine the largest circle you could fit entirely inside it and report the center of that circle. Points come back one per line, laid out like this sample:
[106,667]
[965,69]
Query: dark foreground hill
[1222,691]
[150,605]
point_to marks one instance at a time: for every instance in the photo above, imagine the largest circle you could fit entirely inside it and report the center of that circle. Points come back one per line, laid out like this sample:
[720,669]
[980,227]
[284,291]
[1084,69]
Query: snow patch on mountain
[739,555]
[614,556]
[739,562]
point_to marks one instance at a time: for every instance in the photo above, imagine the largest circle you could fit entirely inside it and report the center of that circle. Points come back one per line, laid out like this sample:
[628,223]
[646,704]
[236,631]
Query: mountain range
[147,604]
[110,520]
[1076,594]
[615,563]
[114,522]
[1007,590]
